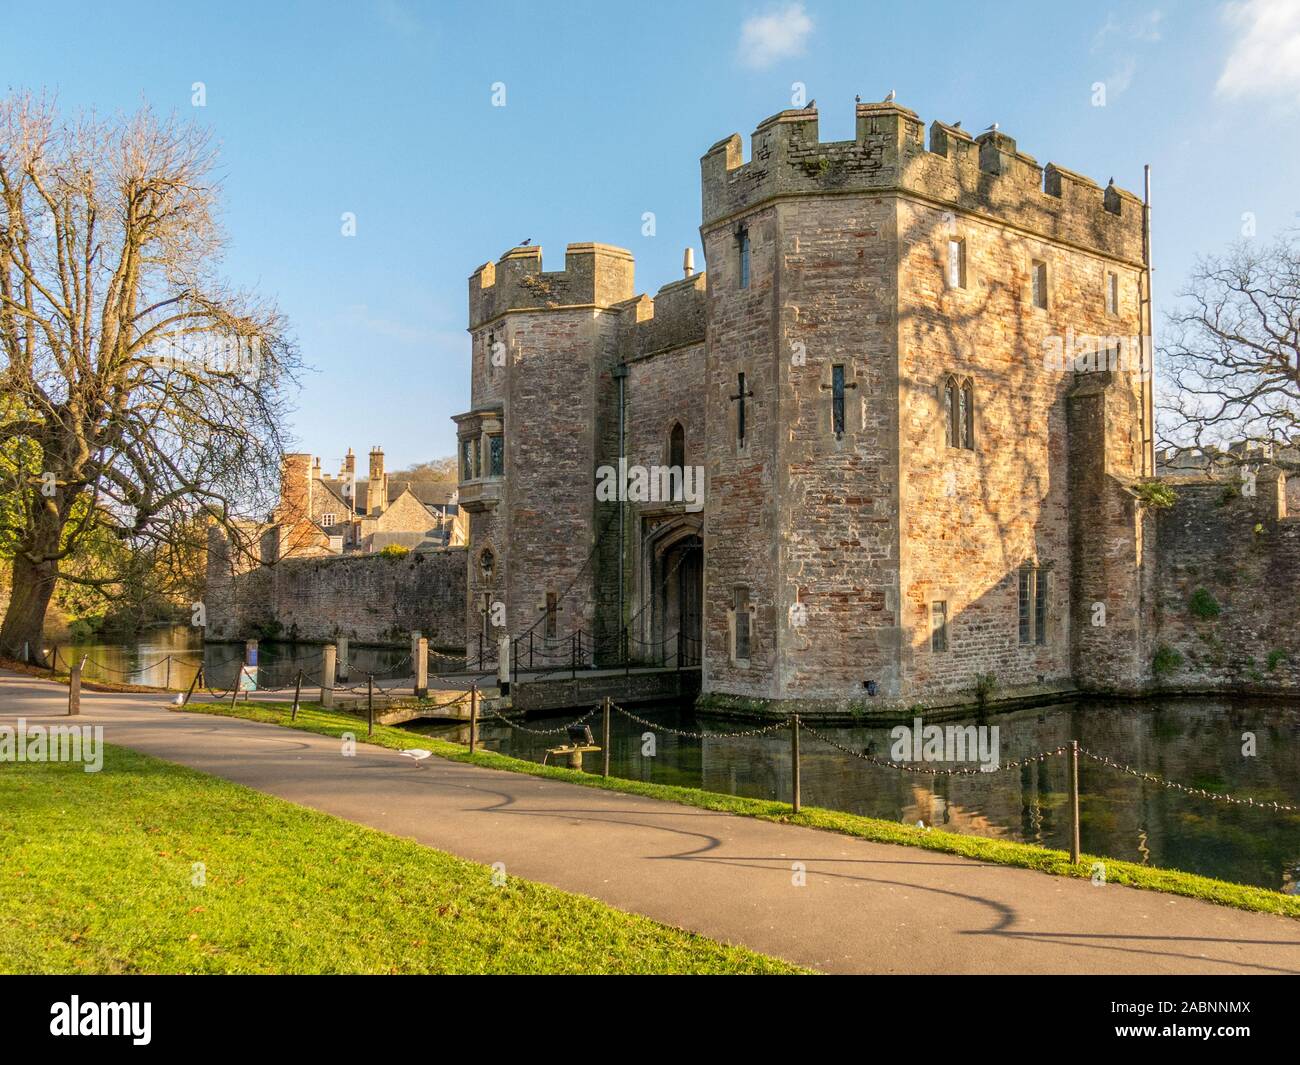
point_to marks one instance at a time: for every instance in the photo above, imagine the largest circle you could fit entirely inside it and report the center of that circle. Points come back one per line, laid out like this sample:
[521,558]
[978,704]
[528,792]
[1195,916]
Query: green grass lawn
[97,875]
[312,718]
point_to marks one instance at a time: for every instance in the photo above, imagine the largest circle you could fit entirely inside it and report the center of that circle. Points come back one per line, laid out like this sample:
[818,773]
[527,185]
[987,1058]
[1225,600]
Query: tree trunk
[24,623]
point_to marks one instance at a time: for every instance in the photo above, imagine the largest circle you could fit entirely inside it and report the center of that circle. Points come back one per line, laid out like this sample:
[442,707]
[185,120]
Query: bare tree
[1231,352]
[139,391]
[443,471]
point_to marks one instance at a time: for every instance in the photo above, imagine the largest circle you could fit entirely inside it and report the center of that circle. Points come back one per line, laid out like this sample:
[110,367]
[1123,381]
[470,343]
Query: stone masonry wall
[663,389]
[971,518]
[368,598]
[1228,588]
[837,508]
[1111,613]
[740,517]
[545,519]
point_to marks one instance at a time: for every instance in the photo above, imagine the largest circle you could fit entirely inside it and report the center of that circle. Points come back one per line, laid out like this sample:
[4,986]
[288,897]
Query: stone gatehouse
[915,381]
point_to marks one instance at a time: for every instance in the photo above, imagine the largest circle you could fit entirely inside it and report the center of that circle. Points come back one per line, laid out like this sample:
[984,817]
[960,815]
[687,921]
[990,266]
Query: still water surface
[145,660]
[1198,742]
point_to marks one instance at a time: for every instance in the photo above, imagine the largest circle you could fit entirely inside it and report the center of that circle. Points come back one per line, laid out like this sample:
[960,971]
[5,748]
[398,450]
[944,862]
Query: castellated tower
[906,489]
[542,417]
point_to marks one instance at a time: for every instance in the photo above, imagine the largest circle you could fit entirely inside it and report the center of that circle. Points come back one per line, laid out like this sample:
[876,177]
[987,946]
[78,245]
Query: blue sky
[384,108]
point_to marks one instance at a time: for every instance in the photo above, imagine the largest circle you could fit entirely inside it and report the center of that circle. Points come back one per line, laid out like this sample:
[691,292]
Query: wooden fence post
[795,798]
[370,704]
[327,663]
[473,717]
[1074,800]
[193,684]
[604,737]
[74,689]
[421,667]
[503,665]
[297,695]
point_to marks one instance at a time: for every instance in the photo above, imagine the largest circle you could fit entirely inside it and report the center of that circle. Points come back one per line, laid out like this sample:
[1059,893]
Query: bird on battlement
[889,96]
[524,243]
[993,128]
[957,124]
[812,105]
[857,98]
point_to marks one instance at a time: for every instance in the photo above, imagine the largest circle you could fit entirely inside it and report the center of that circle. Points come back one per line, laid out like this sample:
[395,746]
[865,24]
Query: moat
[144,660]
[1197,742]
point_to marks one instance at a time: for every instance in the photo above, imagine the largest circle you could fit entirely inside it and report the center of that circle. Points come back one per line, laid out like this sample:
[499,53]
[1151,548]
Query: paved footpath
[866,907]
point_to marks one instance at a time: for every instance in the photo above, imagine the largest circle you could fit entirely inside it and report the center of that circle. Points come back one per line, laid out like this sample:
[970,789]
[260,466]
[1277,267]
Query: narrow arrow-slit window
[837,400]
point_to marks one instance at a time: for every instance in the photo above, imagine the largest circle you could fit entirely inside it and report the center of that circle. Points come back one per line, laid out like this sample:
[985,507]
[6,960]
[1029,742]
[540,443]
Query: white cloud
[1118,39]
[1121,78]
[777,35]
[1142,28]
[1265,57]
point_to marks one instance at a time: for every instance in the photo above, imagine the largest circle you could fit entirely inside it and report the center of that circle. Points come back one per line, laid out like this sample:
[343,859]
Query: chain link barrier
[545,731]
[928,770]
[763,731]
[1200,793]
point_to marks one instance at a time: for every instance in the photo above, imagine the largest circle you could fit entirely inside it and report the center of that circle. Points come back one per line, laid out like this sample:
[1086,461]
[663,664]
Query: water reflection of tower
[942,798]
[1031,808]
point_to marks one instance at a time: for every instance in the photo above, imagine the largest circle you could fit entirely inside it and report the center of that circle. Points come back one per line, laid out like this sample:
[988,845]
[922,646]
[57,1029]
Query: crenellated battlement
[1214,463]
[984,175]
[594,275]
[673,317]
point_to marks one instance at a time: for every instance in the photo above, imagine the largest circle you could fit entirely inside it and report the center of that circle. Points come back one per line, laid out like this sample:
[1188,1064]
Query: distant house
[320,515]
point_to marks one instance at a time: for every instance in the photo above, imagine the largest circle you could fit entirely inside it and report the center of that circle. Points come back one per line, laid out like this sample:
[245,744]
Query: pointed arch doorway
[672,583]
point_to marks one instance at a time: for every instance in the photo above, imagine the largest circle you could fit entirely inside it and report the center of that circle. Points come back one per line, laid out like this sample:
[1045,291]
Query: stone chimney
[295,488]
[348,477]
[377,489]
